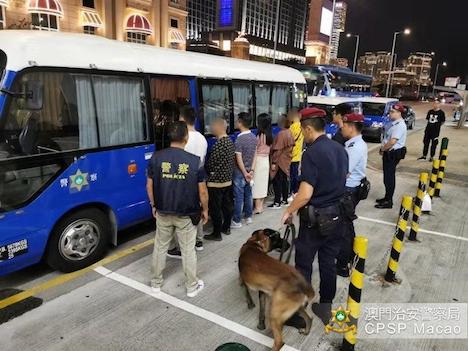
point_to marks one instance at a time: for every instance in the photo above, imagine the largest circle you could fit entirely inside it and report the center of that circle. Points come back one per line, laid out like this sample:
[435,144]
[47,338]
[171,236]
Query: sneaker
[275,206]
[235,225]
[296,321]
[199,245]
[379,201]
[284,203]
[291,198]
[199,288]
[422,158]
[227,231]
[384,205]
[213,237]
[174,253]
[248,221]
[431,159]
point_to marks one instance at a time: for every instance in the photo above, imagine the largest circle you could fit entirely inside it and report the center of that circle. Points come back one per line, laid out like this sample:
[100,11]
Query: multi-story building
[256,21]
[152,22]
[420,63]
[201,18]
[374,64]
[319,31]
[339,24]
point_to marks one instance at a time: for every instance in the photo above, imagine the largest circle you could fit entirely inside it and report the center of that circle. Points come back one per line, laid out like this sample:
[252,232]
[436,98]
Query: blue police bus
[79,118]
[335,81]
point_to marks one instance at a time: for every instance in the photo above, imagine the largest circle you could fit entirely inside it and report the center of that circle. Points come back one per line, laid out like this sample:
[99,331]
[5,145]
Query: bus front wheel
[78,240]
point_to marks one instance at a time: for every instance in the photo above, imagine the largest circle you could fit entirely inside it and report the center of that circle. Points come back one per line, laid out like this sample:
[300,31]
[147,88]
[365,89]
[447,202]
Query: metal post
[417,206]
[435,80]
[391,62]
[356,53]
[397,245]
[278,4]
[355,290]
[433,180]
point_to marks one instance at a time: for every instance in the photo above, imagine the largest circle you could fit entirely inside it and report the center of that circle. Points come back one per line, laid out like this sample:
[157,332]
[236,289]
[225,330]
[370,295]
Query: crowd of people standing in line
[235,175]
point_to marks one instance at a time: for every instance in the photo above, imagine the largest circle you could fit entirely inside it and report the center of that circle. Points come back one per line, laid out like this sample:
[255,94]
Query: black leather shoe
[380,200]
[323,311]
[213,237]
[296,321]
[385,204]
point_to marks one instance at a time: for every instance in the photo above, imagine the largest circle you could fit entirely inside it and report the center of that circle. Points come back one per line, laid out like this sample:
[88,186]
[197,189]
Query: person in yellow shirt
[294,118]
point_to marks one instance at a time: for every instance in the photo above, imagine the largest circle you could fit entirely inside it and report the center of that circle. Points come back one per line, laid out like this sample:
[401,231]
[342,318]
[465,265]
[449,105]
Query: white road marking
[197,311]
[444,235]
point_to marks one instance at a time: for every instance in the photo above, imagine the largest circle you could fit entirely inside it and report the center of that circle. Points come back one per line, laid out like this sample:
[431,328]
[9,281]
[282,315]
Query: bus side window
[242,98]
[168,95]
[216,104]
[262,99]
[279,102]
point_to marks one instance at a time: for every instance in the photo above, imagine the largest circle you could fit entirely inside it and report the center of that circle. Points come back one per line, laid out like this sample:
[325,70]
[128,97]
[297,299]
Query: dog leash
[289,231]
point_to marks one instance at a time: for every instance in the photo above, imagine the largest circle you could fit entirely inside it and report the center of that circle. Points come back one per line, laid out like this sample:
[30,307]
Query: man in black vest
[179,199]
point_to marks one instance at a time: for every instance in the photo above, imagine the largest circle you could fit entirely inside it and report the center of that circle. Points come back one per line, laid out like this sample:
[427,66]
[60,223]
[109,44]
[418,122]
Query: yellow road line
[64,278]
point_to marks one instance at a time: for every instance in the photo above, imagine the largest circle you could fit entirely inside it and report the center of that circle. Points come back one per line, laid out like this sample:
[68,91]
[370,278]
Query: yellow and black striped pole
[443,163]
[417,205]
[355,290]
[433,180]
[397,246]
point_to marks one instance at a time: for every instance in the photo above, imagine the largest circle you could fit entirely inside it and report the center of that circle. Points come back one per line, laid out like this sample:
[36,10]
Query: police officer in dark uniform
[339,112]
[324,169]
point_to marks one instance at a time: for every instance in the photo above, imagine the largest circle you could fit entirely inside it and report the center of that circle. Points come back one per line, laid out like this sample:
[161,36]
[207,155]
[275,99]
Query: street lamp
[407,31]
[349,35]
[436,75]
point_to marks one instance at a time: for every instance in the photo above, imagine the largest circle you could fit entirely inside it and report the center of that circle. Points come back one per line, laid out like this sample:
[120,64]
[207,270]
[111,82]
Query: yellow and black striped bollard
[417,205]
[433,180]
[355,290]
[443,163]
[397,246]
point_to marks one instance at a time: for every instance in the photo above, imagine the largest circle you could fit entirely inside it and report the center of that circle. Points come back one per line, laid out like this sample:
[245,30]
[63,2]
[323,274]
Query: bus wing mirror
[34,95]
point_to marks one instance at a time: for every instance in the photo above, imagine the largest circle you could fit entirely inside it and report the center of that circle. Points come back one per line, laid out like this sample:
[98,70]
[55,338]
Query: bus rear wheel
[78,240]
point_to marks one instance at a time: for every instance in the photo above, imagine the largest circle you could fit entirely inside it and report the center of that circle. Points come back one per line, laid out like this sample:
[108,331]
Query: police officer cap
[312,112]
[353,117]
[399,107]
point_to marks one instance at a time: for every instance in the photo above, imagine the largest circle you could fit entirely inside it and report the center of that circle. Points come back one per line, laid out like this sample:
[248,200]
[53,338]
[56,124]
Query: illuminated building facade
[152,22]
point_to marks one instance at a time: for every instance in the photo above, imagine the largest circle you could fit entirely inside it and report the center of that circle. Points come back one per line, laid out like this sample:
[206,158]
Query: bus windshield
[373,109]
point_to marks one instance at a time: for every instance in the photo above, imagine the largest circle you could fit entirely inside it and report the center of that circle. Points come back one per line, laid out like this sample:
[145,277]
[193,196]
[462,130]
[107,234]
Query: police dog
[287,288]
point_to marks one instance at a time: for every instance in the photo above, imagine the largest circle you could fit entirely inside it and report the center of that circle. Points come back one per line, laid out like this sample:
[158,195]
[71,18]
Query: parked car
[410,117]
[376,114]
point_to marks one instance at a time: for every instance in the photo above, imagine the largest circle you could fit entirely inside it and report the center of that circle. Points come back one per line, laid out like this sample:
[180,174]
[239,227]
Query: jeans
[220,207]
[167,227]
[243,201]
[281,186]
[294,170]
[389,170]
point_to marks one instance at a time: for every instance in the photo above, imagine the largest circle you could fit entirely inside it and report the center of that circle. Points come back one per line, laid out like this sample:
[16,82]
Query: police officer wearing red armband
[324,168]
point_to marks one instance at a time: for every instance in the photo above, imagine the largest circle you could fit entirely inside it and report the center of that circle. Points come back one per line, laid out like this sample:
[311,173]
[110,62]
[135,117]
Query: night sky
[439,26]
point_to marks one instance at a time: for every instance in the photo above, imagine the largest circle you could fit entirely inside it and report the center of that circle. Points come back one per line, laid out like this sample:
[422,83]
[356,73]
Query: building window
[89,30]
[174,23]
[136,37]
[2,17]
[43,21]
[88,3]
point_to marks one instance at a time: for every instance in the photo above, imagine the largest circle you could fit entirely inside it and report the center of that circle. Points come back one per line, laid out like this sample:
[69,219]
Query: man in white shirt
[198,146]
